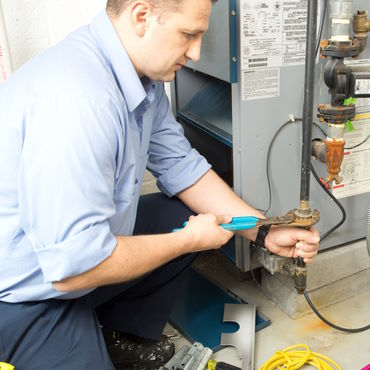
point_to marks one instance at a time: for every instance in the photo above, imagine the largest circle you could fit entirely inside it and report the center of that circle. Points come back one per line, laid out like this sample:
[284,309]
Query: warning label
[273,34]
[263,83]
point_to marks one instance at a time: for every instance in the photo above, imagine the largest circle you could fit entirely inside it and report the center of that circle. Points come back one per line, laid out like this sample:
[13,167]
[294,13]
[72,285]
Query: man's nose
[193,52]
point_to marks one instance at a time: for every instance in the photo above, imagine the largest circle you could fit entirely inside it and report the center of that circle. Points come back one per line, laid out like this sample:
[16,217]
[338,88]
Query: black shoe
[129,352]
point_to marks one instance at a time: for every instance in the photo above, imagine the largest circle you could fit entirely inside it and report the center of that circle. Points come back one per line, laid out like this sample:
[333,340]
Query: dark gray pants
[65,334]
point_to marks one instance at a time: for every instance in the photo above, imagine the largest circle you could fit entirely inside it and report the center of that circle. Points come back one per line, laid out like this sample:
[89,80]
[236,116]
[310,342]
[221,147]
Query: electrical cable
[322,318]
[336,201]
[296,356]
[320,128]
[357,145]
[268,160]
[347,148]
[322,237]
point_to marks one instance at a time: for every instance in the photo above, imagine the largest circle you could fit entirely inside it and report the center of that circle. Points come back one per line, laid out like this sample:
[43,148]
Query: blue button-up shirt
[78,128]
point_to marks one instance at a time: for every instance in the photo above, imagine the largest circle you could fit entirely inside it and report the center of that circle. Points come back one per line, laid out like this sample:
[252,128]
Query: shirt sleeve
[171,159]
[66,183]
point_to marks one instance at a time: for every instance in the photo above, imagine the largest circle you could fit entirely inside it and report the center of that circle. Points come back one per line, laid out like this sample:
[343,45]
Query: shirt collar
[134,89]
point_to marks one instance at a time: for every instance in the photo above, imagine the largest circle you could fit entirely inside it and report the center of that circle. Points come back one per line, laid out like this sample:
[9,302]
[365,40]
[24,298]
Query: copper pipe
[334,157]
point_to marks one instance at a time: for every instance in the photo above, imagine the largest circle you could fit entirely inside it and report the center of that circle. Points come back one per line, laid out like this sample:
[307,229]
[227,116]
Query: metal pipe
[308,106]
[6,67]
[318,150]
[340,16]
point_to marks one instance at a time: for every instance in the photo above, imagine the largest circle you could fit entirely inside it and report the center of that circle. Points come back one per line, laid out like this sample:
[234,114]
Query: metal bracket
[243,340]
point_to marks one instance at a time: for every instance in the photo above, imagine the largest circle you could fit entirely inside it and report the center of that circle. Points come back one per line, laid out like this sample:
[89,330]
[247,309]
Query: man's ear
[140,13]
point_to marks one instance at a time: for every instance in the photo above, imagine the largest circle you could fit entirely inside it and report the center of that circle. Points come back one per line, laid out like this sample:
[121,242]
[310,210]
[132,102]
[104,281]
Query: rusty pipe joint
[334,151]
[331,152]
[361,23]
[361,26]
[334,157]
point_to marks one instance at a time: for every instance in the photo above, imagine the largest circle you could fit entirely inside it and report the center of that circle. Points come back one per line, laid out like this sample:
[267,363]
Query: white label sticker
[262,83]
[362,85]
[356,162]
[273,33]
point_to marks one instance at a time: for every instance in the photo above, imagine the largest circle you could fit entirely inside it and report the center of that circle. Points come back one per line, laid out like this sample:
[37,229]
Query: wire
[296,356]
[320,128]
[322,237]
[347,148]
[347,330]
[336,201]
[357,145]
[268,160]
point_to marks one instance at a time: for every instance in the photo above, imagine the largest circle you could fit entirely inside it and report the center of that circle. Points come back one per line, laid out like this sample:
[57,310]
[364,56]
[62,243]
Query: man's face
[174,37]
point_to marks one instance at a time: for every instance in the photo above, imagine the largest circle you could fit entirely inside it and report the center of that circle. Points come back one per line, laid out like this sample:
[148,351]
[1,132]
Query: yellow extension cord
[296,356]
[5,366]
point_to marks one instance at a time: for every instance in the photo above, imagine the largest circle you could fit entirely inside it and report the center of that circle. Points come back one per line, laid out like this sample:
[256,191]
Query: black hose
[314,309]
[322,318]
[336,201]
[309,85]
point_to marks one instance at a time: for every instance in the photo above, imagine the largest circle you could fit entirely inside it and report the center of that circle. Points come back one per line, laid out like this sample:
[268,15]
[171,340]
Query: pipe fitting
[318,150]
[340,19]
[334,157]
[361,24]
[361,41]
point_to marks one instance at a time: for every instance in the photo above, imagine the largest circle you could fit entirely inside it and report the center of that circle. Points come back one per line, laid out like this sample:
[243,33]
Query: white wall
[33,25]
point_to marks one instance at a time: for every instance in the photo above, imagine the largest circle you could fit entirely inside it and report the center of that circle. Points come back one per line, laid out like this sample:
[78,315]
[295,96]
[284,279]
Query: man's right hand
[206,233]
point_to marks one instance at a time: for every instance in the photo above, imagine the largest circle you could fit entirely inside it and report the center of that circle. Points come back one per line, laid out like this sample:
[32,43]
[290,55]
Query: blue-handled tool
[248,222]
[241,223]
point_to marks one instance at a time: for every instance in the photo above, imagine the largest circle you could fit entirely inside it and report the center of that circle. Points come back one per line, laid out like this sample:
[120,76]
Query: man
[79,251]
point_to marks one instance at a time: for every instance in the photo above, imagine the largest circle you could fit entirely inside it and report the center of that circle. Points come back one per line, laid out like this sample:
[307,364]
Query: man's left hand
[293,242]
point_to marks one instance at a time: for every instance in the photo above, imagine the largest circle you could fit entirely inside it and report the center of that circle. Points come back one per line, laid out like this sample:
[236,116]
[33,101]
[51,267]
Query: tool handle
[213,365]
[237,223]
[225,366]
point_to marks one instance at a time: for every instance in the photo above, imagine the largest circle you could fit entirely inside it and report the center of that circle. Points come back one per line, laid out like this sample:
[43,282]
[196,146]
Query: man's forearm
[210,194]
[133,256]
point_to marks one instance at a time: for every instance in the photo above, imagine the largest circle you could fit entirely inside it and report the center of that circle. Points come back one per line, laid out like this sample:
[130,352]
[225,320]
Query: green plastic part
[349,101]
[349,126]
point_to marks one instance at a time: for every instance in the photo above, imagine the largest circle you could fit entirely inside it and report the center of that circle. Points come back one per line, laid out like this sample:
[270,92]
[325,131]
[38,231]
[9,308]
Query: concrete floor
[350,351]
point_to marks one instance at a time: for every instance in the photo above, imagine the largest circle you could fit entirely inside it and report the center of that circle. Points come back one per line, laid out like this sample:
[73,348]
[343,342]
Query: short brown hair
[116,7]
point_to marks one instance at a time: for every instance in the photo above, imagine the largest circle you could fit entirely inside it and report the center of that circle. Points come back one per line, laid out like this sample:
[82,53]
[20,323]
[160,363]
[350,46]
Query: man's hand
[293,242]
[206,233]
